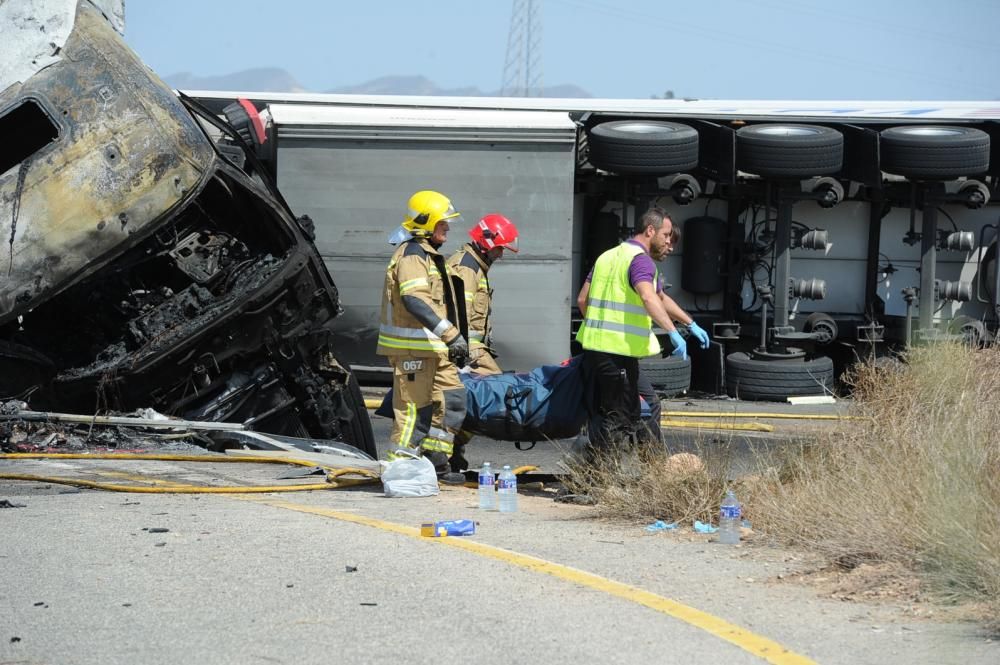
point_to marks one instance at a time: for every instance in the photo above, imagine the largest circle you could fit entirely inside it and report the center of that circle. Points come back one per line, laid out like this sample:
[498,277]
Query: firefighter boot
[442,468]
[458,461]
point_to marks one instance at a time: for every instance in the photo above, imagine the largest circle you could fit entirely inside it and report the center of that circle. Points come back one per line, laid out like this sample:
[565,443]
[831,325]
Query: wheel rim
[929,131]
[643,128]
[787,130]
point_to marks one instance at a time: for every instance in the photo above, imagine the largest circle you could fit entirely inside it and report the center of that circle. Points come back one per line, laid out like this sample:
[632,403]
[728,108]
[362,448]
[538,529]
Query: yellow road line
[701,424]
[756,414]
[768,650]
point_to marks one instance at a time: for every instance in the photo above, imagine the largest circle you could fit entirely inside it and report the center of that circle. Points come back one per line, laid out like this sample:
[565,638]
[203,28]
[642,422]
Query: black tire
[934,152]
[789,150]
[649,147]
[670,376]
[774,380]
[358,430]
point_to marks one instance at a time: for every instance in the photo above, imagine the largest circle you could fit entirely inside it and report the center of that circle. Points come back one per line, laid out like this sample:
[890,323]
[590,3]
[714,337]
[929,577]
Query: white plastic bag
[409,475]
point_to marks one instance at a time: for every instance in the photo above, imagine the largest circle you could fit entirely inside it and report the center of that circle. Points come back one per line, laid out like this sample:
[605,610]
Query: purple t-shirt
[642,269]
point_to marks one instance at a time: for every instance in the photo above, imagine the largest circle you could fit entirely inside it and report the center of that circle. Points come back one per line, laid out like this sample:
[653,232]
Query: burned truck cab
[142,267]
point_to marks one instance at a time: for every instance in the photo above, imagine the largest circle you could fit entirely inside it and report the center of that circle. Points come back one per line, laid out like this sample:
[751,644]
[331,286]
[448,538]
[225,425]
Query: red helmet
[494,230]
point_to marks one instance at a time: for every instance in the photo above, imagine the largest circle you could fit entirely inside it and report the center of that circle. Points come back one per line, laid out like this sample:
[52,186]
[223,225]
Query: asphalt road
[342,576]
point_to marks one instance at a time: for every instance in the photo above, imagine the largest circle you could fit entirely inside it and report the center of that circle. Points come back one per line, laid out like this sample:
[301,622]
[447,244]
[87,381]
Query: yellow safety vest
[616,320]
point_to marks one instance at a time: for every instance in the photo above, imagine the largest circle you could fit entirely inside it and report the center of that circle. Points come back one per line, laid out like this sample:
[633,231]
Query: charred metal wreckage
[145,264]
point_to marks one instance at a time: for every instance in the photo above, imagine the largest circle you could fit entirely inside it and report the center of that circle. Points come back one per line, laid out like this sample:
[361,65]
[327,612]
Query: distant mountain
[421,85]
[404,85]
[567,91]
[262,79]
[274,79]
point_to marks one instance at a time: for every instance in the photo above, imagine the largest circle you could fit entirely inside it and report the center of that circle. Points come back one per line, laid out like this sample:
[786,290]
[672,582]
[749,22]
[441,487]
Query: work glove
[680,346]
[699,334]
[458,351]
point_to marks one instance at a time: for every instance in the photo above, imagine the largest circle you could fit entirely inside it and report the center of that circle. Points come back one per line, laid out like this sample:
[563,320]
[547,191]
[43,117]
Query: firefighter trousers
[428,402]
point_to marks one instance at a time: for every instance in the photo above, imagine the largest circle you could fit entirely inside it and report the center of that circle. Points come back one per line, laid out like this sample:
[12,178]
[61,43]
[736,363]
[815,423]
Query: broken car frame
[144,268]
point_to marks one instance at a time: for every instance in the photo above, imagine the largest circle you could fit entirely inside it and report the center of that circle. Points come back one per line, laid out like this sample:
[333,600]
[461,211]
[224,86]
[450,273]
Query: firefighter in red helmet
[489,239]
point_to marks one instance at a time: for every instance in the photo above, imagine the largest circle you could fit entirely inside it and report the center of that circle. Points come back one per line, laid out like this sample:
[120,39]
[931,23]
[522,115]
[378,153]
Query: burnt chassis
[210,302]
[208,319]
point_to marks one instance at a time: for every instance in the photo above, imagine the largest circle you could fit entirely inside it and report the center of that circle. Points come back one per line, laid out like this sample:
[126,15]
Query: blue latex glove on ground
[699,334]
[680,346]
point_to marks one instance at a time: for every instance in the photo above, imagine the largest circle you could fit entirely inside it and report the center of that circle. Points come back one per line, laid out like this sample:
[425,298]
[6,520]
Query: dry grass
[649,484]
[914,483]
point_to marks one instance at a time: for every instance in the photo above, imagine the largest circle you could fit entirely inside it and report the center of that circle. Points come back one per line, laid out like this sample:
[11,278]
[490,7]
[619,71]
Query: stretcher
[543,404]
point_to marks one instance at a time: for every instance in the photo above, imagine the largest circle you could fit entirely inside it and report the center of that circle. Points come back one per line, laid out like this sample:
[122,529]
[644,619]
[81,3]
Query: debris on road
[448,528]
[6,503]
[701,527]
[660,525]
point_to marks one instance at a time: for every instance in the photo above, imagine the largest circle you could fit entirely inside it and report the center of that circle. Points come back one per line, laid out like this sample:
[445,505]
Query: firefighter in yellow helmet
[471,263]
[419,335]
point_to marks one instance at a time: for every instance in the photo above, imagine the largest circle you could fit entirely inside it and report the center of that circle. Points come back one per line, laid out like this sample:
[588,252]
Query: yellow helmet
[425,210]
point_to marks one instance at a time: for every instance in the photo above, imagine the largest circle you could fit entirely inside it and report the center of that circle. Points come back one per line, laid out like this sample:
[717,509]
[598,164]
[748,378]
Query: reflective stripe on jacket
[470,267]
[416,269]
[616,321]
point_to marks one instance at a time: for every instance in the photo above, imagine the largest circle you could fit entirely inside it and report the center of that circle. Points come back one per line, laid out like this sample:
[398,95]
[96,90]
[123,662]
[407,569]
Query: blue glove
[680,346]
[699,334]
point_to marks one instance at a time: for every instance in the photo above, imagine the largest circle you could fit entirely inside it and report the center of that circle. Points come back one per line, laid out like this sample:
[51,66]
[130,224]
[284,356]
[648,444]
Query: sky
[708,49]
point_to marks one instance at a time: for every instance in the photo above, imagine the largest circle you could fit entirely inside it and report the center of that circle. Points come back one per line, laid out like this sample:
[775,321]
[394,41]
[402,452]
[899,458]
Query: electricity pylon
[522,70]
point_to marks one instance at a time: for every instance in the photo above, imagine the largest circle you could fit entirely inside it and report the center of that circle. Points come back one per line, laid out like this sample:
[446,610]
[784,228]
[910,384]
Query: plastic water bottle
[487,493]
[507,491]
[729,520]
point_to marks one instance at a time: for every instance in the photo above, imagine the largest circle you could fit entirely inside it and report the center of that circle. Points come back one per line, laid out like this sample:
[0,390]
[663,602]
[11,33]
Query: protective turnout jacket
[416,279]
[616,320]
[473,271]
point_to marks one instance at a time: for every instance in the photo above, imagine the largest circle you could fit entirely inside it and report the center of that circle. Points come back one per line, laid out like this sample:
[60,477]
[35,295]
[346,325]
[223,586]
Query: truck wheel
[670,376]
[933,152]
[774,380]
[789,151]
[650,147]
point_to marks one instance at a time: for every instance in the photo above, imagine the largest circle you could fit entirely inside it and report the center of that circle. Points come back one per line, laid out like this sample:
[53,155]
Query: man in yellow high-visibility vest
[620,302]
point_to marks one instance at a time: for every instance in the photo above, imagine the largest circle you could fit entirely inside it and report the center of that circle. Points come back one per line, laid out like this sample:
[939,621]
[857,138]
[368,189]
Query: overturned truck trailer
[143,263]
[814,233]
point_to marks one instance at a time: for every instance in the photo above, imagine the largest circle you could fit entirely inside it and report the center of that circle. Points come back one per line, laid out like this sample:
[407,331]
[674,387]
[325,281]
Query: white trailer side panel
[353,170]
